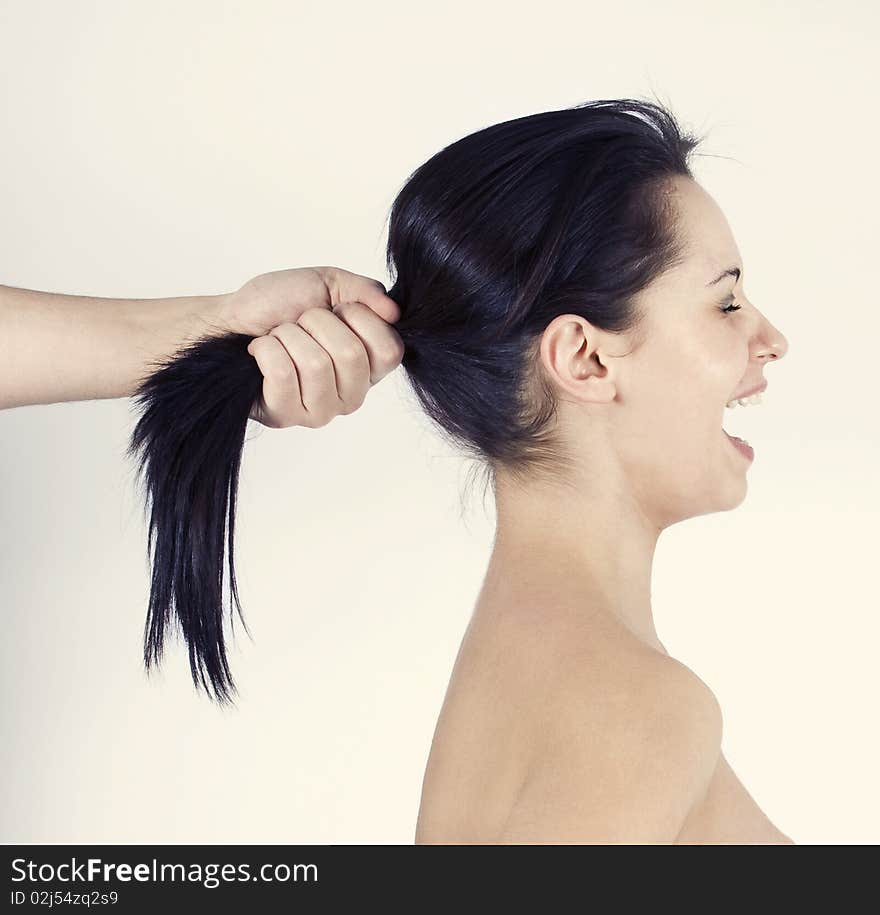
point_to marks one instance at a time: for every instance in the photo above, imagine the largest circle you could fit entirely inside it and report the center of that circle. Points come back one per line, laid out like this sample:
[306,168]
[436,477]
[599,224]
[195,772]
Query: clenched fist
[322,338]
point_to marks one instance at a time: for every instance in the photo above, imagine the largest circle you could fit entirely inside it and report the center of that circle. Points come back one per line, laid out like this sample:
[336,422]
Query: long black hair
[560,212]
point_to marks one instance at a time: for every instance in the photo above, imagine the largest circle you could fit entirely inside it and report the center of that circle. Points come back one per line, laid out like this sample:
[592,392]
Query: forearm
[56,347]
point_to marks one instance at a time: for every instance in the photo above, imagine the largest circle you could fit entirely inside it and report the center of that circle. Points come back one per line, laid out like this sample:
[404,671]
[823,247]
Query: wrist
[221,309]
[162,327]
[183,319]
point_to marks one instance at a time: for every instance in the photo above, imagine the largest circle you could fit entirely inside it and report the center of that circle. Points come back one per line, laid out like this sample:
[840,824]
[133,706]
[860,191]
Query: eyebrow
[730,271]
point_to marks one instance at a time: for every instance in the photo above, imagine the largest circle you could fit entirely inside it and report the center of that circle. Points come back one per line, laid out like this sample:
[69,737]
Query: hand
[322,338]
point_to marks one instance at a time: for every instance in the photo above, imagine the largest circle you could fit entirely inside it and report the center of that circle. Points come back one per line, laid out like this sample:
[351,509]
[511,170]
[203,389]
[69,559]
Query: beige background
[157,149]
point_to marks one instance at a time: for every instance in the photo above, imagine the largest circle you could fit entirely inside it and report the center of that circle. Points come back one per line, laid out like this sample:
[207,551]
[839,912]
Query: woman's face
[694,359]
[648,417]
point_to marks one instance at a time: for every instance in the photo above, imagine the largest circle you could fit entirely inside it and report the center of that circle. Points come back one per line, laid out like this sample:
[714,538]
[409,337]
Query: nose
[772,342]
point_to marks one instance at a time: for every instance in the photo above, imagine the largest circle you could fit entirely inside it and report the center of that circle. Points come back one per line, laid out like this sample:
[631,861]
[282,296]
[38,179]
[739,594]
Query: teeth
[754,400]
[736,438]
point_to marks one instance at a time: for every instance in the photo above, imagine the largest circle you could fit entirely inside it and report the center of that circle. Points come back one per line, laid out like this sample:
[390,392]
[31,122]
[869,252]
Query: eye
[731,307]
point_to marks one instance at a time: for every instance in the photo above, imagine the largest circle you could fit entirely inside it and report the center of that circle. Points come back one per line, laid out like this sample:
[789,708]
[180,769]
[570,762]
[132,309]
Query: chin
[728,487]
[736,488]
[738,500]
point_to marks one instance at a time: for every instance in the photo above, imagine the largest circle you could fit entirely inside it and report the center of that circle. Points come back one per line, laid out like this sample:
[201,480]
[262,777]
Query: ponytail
[488,241]
[188,444]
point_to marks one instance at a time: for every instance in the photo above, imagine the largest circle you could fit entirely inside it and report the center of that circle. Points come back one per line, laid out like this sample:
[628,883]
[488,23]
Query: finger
[351,363]
[281,392]
[318,399]
[346,286]
[383,344]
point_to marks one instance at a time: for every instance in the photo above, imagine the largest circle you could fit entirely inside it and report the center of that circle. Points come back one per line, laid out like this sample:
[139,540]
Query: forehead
[709,243]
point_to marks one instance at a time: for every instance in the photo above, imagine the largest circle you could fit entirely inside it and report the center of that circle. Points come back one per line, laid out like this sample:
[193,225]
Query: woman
[573,315]
[565,719]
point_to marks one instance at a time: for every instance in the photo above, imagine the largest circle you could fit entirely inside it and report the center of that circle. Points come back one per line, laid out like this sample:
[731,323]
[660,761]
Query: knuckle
[392,354]
[354,403]
[315,364]
[351,355]
[284,373]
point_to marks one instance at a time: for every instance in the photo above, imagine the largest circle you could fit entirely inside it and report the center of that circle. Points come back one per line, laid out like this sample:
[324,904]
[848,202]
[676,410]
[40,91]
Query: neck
[586,544]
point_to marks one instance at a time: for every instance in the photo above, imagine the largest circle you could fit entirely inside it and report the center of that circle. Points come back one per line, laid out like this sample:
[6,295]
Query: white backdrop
[166,149]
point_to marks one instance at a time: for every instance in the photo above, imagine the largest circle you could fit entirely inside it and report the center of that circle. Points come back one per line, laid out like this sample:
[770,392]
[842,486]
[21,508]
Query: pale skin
[323,336]
[565,719]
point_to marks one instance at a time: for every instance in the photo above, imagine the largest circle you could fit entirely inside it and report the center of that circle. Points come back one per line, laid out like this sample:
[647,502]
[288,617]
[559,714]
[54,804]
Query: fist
[322,338]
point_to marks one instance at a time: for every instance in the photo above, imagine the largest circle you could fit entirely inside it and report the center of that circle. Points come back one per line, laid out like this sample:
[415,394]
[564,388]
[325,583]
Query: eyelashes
[729,308]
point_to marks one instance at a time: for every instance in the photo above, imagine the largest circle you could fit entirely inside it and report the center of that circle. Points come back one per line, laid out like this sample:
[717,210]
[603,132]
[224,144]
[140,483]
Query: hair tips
[559,212]
[188,444]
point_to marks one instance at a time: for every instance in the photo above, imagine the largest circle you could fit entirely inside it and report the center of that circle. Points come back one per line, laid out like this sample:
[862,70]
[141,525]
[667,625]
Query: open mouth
[740,444]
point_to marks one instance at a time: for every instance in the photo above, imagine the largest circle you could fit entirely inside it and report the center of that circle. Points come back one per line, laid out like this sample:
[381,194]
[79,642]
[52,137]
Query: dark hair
[561,212]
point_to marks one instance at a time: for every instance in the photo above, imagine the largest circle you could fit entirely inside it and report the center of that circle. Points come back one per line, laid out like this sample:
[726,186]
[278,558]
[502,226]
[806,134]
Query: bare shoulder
[631,743]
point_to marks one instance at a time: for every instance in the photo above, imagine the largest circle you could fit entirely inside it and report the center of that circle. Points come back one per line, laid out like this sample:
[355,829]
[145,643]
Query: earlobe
[595,386]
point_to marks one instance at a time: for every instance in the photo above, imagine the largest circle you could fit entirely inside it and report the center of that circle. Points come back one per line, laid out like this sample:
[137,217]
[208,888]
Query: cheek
[681,391]
[684,419]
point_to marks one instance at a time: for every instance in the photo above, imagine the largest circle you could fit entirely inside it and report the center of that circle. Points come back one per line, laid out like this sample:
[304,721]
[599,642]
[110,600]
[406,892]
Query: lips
[749,391]
[741,443]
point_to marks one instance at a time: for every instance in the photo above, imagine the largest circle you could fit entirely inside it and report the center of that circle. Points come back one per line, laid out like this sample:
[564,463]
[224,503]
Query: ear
[573,355]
